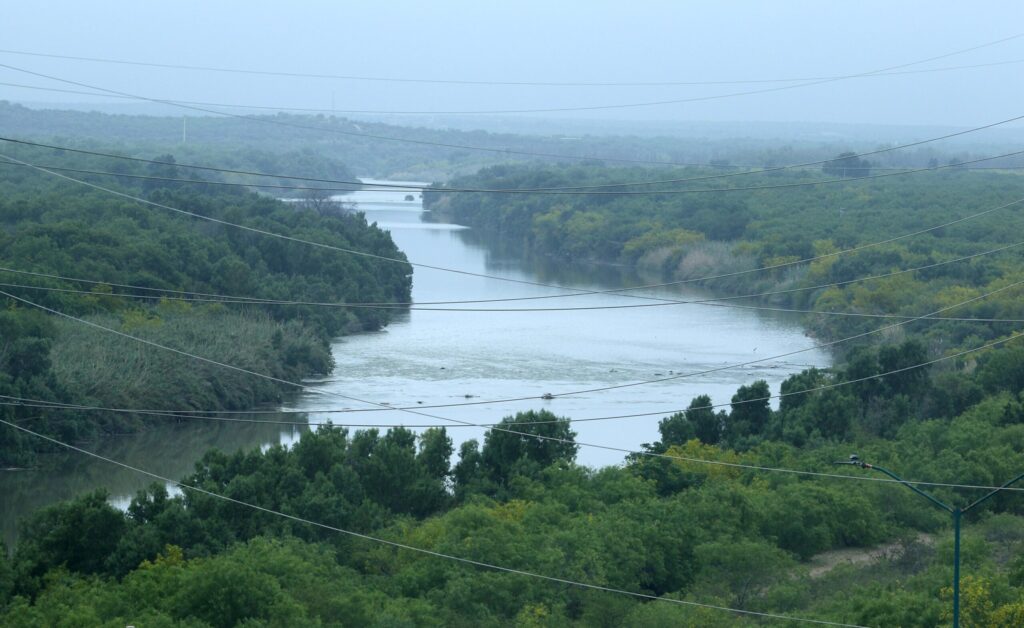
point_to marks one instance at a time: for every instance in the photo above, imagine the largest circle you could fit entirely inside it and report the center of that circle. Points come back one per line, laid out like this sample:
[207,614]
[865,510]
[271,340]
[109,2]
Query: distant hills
[361,143]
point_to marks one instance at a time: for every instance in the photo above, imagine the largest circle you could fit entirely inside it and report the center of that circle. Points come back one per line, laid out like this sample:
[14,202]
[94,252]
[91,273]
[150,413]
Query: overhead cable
[350,77]
[336,110]
[341,304]
[354,186]
[412,548]
[336,130]
[392,187]
[579,292]
[39,404]
[419,412]
[418,409]
[658,301]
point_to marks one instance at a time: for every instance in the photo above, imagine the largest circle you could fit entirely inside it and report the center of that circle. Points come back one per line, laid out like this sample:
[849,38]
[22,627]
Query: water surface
[441,357]
[434,358]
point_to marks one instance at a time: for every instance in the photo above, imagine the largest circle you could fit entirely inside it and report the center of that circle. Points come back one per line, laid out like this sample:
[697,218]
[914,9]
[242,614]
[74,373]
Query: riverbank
[121,270]
[745,237]
[439,357]
[498,350]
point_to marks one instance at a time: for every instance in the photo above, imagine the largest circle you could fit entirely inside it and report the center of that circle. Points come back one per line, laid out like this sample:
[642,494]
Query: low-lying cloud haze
[532,41]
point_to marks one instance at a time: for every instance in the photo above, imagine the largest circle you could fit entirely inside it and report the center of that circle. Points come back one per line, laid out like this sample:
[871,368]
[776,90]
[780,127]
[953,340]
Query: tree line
[695,516]
[675,524]
[55,227]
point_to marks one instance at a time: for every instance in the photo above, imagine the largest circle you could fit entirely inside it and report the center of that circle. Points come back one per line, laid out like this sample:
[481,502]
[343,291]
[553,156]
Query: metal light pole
[957,513]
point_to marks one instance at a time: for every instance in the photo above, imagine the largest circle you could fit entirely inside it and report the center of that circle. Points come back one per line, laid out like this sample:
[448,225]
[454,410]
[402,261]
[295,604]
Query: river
[442,357]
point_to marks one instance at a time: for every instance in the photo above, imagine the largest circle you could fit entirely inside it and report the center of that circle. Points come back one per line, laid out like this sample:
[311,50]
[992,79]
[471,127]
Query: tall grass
[104,369]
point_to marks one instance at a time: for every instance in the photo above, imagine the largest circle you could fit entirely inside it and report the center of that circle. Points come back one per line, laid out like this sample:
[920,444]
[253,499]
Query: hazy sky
[550,40]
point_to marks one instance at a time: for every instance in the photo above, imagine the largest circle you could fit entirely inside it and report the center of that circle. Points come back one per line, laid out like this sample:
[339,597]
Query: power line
[370,186]
[468,273]
[578,191]
[274,121]
[388,187]
[419,412]
[413,410]
[204,414]
[351,77]
[412,548]
[705,302]
[39,404]
[660,301]
[392,112]
[385,112]
[627,592]
[778,292]
[322,129]
[607,388]
[605,107]
[391,187]
[635,384]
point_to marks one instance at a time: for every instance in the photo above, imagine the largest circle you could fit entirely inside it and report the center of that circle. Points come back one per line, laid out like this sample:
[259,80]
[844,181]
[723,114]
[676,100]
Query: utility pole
[956,512]
[184,129]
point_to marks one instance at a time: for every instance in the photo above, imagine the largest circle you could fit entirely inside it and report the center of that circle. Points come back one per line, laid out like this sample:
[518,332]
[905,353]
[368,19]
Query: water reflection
[431,357]
[170,451]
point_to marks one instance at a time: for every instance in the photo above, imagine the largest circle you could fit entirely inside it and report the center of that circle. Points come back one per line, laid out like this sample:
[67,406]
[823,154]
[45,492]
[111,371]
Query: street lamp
[955,511]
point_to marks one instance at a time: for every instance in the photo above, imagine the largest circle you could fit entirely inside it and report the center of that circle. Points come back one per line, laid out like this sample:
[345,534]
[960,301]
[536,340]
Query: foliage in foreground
[683,530]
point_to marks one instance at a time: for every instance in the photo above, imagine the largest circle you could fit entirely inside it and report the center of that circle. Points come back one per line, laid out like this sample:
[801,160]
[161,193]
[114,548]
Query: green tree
[906,381]
[80,535]
[224,594]
[526,443]
[6,576]
[1003,370]
[707,425]
[675,430]
[750,411]
[740,570]
[468,473]
[435,453]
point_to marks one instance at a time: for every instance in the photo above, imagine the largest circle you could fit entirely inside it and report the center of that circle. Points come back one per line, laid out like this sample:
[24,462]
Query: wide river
[428,358]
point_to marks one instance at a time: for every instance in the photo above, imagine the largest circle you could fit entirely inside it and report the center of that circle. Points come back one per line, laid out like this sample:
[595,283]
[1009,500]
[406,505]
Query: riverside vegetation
[684,237]
[57,227]
[668,527]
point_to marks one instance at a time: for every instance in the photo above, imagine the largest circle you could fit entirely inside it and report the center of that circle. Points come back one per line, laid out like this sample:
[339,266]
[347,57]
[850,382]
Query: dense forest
[52,228]
[689,237]
[734,506]
[685,529]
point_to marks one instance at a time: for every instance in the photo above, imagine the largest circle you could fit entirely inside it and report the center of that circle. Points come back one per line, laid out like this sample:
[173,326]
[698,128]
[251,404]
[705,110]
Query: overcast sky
[527,40]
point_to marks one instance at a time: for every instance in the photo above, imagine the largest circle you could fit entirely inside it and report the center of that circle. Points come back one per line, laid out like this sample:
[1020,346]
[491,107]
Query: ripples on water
[443,357]
[433,358]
